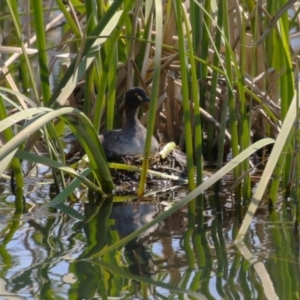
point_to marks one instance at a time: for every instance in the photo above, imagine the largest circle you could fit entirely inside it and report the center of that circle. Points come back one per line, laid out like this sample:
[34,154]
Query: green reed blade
[8,134]
[272,164]
[38,17]
[277,47]
[185,94]
[154,93]
[69,20]
[13,8]
[198,144]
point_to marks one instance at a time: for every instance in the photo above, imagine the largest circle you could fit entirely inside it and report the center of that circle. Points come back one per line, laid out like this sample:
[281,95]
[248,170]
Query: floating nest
[166,168]
[163,169]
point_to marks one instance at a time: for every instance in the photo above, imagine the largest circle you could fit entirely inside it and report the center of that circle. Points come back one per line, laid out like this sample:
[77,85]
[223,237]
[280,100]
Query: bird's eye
[139,96]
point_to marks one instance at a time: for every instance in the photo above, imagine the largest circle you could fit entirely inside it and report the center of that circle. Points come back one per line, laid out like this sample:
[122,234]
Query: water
[46,253]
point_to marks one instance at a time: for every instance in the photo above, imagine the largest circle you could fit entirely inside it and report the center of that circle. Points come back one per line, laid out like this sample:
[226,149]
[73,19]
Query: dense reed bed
[220,74]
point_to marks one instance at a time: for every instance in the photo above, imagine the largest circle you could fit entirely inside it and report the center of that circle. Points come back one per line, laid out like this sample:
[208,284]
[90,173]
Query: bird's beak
[146,99]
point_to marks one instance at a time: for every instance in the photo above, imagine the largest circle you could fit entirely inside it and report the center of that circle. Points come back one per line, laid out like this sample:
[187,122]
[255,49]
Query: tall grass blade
[280,59]
[244,128]
[198,148]
[231,99]
[38,17]
[272,164]
[12,5]
[70,21]
[154,93]
[7,134]
[178,8]
[213,95]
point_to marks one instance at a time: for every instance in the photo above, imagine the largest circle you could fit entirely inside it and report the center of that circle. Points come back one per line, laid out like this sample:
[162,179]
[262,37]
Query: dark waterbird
[131,139]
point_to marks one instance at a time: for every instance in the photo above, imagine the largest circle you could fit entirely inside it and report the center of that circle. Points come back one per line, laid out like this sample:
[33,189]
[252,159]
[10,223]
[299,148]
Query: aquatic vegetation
[222,77]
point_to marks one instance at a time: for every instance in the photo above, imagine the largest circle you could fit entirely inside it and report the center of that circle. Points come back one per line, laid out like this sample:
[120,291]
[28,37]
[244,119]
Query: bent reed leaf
[57,165]
[83,130]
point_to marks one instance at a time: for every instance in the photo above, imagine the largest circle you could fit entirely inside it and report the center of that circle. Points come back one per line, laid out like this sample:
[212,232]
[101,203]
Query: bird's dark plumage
[131,139]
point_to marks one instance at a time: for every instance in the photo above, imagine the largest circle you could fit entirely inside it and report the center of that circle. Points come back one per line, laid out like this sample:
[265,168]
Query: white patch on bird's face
[139,96]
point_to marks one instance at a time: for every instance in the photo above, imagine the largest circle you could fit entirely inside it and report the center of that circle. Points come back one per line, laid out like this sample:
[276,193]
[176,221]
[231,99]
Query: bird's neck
[131,115]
